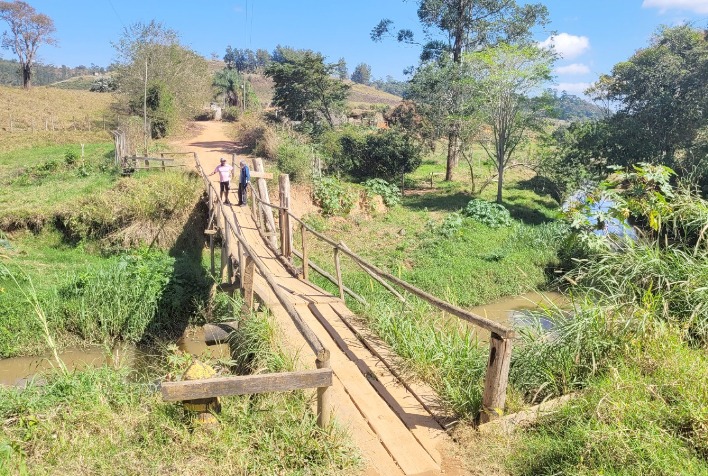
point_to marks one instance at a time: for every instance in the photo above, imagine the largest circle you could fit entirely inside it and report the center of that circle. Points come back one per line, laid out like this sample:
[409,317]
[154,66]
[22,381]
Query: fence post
[324,408]
[286,231]
[338,267]
[497,377]
[305,263]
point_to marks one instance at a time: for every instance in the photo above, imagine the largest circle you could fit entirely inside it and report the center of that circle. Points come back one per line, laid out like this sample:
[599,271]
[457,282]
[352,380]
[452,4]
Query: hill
[574,108]
[32,114]
[43,74]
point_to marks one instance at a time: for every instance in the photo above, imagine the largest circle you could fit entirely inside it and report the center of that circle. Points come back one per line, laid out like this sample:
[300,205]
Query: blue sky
[592,35]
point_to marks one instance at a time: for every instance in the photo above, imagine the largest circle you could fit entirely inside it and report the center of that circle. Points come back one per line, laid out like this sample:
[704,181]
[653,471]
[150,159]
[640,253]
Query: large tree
[453,27]
[177,72]
[362,74]
[304,87]
[28,30]
[661,94]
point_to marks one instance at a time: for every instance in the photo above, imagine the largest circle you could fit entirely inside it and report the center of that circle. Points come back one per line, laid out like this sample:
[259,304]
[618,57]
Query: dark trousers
[242,193]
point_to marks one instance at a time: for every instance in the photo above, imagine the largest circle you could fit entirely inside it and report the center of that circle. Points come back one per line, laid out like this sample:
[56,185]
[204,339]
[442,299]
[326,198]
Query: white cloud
[698,6]
[572,88]
[575,68]
[568,46]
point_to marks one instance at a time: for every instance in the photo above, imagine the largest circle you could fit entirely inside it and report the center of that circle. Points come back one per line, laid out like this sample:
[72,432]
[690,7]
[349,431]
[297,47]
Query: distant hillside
[574,108]
[360,97]
[43,75]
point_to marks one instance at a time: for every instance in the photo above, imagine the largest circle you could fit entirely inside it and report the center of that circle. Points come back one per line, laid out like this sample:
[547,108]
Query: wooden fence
[236,251]
[500,342]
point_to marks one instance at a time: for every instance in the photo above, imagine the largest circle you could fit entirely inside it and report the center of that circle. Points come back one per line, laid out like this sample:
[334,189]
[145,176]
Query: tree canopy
[28,30]
[456,26]
[305,89]
[173,71]
[362,74]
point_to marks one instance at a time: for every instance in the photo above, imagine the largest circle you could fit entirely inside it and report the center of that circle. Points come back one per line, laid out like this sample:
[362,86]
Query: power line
[116,12]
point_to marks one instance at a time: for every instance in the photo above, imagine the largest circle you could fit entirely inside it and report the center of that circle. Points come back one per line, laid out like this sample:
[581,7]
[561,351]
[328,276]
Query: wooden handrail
[475,319]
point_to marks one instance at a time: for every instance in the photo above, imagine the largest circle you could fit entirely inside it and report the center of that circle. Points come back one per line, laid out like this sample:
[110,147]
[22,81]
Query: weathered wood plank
[263,175]
[247,384]
[495,382]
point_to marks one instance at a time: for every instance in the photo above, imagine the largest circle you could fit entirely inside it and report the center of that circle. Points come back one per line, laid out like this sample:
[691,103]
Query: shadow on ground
[190,283]
[435,202]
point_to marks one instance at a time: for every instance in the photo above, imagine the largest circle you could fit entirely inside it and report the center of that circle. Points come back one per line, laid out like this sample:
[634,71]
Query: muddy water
[17,371]
[511,310]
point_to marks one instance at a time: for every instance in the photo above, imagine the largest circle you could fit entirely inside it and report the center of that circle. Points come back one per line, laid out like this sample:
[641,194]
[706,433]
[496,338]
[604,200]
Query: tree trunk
[500,181]
[453,137]
[26,76]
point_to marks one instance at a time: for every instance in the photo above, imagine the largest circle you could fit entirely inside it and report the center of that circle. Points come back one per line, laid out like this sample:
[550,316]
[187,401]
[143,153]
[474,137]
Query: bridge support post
[324,394]
[263,209]
[497,377]
[338,268]
[286,230]
[305,258]
[249,271]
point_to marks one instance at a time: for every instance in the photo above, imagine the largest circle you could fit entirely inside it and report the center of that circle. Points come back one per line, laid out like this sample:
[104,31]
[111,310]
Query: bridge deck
[392,429]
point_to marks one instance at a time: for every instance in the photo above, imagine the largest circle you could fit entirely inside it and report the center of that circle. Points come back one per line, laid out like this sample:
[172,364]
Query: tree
[304,87]
[456,26]
[173,70]
[362,74]
[342,71]
[229,83]
[505,76]
[661,94]
[28,30]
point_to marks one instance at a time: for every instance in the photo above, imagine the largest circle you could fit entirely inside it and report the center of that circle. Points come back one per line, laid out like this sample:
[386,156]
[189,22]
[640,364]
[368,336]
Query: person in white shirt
[224,170]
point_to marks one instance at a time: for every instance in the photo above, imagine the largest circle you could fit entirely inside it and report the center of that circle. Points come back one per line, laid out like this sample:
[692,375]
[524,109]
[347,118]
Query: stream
[18,371]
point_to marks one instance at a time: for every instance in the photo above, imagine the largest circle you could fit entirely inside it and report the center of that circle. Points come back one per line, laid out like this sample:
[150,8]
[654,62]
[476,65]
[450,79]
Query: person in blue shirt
[243,181]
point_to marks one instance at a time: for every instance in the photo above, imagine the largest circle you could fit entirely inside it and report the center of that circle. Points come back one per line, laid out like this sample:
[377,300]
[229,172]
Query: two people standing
[224,170]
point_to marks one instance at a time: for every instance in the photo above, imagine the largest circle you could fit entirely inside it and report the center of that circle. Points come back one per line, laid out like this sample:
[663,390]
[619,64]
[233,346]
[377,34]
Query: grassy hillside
[45,115]
[360,97]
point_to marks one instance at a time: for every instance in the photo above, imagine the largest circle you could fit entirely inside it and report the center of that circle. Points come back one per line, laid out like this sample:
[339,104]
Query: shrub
[257,136]
[493,215]
[71,157]
[332,196]
[294,160]
[450,225]
[390,192]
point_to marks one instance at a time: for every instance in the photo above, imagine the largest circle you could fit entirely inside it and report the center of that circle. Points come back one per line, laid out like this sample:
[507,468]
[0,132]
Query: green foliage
[662,92]
[104,85]
[493,215]
[71,157]
[305,89]
[362,73]
[295,159]
[116,302]
[333,196]
[179,75]
[161,110]
[389,192]
[451,225]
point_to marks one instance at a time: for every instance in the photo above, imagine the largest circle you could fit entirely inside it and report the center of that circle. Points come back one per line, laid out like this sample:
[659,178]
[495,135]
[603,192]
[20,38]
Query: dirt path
[393,431]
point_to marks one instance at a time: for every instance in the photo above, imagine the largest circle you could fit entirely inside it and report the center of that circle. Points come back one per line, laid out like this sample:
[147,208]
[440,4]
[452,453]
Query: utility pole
[243,103]
[145,117]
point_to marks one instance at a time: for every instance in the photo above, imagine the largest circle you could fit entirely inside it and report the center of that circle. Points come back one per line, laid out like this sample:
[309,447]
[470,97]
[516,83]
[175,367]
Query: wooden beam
[262,175]
[247,384]
[325,274]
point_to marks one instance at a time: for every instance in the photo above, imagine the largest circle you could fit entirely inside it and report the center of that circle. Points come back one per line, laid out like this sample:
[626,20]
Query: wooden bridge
[394,423]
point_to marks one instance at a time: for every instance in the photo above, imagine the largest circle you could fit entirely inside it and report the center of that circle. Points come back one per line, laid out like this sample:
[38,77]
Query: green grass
[38,182]
[647,416]
[104,422]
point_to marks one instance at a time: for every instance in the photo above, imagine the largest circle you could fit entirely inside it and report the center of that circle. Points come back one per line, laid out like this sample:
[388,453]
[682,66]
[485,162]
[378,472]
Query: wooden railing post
[248,275]
[497,377]
[263,193]
[286,231]
[324,407]
[305,260]
[338,268]
[241,266]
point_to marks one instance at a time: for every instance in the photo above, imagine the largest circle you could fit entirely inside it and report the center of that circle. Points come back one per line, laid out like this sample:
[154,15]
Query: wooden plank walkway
[396,434]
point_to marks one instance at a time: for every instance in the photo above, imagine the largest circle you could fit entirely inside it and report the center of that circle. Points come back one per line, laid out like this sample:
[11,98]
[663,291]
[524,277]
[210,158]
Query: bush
[390,192]
[332,196]
[294,159]
[493,215]
[71,157]
[257,136]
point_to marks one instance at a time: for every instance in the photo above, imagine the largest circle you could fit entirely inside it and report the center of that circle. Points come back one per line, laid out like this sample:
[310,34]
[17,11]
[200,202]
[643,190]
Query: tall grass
[644,417]
[118,301]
